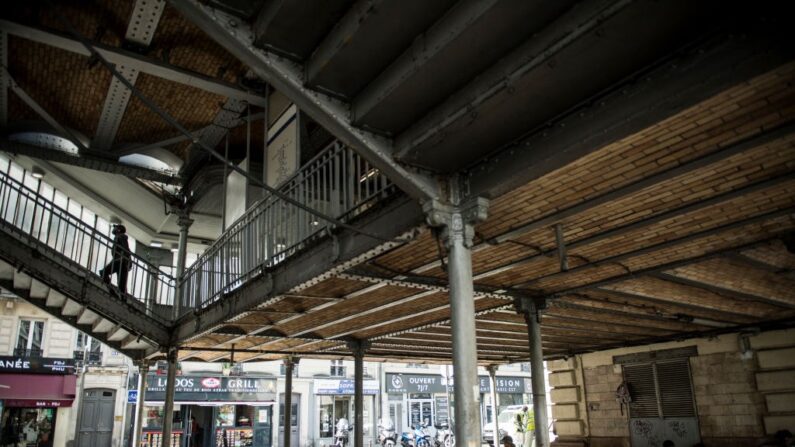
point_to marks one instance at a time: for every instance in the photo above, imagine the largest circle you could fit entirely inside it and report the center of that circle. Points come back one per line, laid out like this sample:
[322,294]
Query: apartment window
[29,338]
[283,370]
[660,389]
[337,369]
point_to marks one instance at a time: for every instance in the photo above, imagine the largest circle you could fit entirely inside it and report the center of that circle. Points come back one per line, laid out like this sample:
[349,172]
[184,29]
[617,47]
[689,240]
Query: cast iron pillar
[495,404]
[143,370]
[358,348]
[184,223]
[458,227]
[168,407]
[289,364]
[531,309]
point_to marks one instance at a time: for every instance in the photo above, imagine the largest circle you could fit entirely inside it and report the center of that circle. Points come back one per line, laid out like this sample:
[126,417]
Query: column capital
[359,347]
[172,354]
[142,364]
[458,221]
[492,369]
[291,361]
[530,305]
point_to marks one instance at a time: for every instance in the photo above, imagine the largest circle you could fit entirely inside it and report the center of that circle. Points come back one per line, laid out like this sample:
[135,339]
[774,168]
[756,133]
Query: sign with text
[506,385]
[343,386]
[429,383]
[414,383]
[213,389]
[282,155]
[36,365]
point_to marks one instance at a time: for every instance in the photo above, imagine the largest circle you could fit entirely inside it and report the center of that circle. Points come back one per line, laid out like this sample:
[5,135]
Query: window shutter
[640,378]
[676,391]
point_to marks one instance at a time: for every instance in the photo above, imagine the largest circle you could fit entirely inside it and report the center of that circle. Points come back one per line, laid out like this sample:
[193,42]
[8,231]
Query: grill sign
[212,389]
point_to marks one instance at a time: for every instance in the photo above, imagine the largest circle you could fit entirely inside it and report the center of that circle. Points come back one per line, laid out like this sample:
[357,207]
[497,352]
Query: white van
[505,421]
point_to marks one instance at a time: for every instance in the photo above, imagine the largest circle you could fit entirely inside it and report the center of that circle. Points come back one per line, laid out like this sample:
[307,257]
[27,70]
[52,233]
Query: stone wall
[743,384]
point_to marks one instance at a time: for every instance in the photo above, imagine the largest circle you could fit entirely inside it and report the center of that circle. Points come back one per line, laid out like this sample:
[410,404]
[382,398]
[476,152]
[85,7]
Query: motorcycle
[407,439]
[386,433]
[341,433]
[421,436]
[444,436]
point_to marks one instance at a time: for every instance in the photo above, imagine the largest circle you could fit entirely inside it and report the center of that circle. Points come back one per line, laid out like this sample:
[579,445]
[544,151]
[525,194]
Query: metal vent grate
[644,392]
[676,391]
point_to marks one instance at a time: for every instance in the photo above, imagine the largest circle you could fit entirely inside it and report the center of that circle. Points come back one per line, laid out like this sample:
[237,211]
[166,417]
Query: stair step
[71,308]
[102,326]
[55,298]
[38,289]
[6,270]
[22,281]
[87,316]
[118,334]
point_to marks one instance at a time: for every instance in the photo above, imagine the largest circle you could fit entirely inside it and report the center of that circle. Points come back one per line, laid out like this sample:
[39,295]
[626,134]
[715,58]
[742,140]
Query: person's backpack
[623,396]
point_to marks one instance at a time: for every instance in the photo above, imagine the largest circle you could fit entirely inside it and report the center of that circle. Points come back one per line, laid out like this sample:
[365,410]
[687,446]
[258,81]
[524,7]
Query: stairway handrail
[63,213]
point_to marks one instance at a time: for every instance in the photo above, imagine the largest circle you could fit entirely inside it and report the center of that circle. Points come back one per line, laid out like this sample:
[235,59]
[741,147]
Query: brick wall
[728,403]
[605,418]
[744,388]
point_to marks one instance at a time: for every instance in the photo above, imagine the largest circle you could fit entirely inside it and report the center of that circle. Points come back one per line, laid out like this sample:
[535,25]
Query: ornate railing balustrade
[337,183]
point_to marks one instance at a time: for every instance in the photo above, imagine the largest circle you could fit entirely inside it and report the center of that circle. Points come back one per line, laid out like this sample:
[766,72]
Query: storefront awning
[36,390]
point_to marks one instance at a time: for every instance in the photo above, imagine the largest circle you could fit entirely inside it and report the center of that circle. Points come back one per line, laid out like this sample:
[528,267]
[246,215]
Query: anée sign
[36,365]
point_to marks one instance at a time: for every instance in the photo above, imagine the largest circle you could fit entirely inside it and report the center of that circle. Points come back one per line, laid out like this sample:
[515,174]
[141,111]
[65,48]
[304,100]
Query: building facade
[68,389]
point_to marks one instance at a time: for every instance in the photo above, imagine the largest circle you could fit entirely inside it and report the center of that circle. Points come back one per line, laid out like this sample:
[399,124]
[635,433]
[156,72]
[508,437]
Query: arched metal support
[359,349]
[458,223]
[289,365]
[168,406]
[531,309]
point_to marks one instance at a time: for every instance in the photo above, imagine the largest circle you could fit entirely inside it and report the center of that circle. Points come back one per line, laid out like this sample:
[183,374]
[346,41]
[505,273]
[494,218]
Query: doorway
[294,420]
[396,413]
[96,418]
[420,409]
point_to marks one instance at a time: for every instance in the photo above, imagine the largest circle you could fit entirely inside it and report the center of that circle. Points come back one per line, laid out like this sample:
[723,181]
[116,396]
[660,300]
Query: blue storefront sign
[343,386]
[132,396]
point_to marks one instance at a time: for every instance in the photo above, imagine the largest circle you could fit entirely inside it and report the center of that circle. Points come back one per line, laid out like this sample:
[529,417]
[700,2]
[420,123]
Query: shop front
[417,398]
[212,411]
[510,390]
[35,393]
[335,400]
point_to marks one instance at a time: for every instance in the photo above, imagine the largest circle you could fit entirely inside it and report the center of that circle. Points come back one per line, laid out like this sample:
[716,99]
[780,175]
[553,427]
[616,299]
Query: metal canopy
[647,147]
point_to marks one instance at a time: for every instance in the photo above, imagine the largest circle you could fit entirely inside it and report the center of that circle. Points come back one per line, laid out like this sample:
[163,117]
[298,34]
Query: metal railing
[22,352]
[337,182]
[90,358]
[50,228]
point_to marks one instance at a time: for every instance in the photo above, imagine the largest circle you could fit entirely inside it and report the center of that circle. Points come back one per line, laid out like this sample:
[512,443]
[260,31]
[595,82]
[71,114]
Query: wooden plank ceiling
[683,229]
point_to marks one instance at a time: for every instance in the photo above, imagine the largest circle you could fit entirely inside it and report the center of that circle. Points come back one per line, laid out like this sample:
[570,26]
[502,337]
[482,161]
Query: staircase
[51,258]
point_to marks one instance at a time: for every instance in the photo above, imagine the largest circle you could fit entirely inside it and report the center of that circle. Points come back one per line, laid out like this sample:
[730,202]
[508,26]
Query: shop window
[30,338]
[337,369]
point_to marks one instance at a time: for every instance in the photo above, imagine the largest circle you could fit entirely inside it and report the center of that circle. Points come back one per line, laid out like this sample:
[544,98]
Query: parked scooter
[444,436]
[421,436]
[386,433]
[407,439]
[341,433]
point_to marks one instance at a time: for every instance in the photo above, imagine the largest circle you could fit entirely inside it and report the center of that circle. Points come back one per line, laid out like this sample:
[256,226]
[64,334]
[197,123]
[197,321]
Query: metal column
[168,407]
[359,348]
[289,363]
[143,370]
[184,223]
[531,310]
[495,404]
[458,222]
